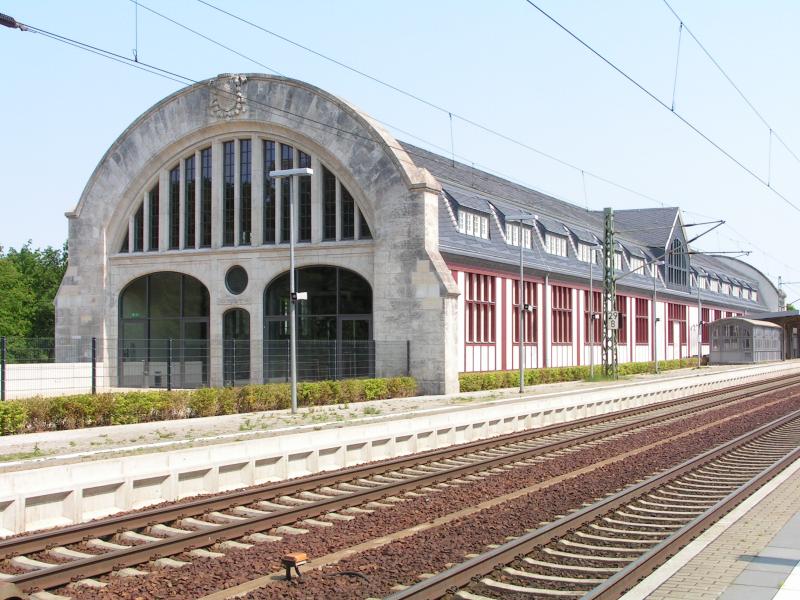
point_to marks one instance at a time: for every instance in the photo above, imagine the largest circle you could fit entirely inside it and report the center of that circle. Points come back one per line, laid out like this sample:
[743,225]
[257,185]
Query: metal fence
[47,367]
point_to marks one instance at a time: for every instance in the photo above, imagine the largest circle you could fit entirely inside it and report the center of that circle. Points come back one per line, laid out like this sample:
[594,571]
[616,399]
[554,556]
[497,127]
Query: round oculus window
[236,280]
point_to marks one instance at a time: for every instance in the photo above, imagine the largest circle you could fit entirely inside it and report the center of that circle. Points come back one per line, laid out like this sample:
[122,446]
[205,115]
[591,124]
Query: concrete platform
[751,554]
[138,465]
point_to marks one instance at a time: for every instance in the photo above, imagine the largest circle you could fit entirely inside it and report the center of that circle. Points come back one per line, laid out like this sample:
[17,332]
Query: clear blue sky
[499,63]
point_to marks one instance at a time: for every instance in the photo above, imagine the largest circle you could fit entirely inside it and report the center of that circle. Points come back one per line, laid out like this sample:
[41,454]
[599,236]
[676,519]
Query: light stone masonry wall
[414,295]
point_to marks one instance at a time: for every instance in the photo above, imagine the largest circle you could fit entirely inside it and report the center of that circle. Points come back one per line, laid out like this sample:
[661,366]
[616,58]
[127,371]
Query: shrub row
[492,380]
[85,410]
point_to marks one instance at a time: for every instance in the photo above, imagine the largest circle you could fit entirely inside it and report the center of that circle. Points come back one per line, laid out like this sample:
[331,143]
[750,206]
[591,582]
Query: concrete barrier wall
[67,494]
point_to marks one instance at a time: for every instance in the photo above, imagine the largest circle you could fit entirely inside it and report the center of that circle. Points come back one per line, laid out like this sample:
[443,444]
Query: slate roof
[642,232]
[650,226]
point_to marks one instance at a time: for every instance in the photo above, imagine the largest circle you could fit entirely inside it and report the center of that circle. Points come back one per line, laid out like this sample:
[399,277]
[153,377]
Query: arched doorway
[163,332]
[236,347]
[334,326]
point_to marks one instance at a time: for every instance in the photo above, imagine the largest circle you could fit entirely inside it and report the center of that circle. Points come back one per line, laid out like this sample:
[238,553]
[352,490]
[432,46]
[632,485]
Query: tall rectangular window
[705,315]
[530,316]
[364,232]
[138,229]
[152,239]
[287,162]
[304,200]
[188,202]
[593,326]
[642,321]
[348,209]
[676,313]
[175,208]
[228,190]
[245,193]
[269,192]
[479,309]
[205,198]
[555,244]
[622,320]
[328,205]
[562,315]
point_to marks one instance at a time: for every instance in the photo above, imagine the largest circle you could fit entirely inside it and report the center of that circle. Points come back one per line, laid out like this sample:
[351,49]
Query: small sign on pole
[613,320]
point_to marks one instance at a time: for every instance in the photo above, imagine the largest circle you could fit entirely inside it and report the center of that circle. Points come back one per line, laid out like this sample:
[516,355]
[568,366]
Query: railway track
[208,526]
[604,549]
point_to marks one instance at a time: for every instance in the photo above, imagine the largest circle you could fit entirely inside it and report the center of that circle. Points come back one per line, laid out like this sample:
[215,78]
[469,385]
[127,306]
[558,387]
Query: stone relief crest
[227,97]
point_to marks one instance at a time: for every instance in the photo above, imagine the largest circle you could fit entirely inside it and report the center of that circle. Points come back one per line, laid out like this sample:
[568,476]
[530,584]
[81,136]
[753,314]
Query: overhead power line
[446,111]
[185,80]
[663,104]
[733,84]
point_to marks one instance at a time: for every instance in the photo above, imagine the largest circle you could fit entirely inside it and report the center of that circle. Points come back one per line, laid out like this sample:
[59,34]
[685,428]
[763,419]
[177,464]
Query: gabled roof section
[652,227]
[469,201]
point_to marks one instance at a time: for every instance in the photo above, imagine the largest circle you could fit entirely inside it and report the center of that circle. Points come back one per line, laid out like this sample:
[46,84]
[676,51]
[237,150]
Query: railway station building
[181,234]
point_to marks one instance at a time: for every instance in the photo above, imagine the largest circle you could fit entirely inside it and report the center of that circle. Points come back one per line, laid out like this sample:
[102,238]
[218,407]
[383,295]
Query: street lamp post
[293,296]
[655,266]
[521,218]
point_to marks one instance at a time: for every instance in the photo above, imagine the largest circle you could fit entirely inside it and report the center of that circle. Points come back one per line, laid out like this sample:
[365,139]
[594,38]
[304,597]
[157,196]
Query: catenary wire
[185,80]
[733,84]
[663,104]
[446,111]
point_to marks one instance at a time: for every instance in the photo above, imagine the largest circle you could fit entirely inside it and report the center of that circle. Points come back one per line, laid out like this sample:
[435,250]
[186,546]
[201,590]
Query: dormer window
[618,261]
[555,244]
[473,224]
[702,282]
[585,252]
[714,284]
[637,265]
[726,288]
[512,235]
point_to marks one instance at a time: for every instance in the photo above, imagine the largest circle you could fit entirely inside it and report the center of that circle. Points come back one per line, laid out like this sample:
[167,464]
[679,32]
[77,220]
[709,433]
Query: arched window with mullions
[334,325]
[163,332]
[677,265]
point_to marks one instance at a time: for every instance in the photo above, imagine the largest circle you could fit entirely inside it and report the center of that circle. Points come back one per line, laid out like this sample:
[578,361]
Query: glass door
[356,357]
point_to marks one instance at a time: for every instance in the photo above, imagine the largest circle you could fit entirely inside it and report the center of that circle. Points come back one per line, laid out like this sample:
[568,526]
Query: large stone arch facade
[413,291]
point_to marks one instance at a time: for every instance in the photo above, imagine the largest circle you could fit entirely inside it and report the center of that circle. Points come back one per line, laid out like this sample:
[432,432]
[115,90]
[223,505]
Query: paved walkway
[757,557]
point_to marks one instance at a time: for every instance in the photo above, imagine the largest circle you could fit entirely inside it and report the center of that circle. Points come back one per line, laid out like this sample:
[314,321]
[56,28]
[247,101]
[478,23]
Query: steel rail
[47,539]
[462,574]
[74,570]
[625,579]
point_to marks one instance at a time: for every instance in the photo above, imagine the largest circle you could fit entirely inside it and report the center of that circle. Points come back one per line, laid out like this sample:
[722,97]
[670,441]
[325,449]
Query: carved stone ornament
[227,97]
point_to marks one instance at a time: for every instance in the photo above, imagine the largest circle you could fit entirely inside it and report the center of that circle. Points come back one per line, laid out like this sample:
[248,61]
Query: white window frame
[555,244]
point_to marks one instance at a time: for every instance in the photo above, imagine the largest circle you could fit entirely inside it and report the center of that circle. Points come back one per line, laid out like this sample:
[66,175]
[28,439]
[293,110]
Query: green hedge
[492,380]
[85,410]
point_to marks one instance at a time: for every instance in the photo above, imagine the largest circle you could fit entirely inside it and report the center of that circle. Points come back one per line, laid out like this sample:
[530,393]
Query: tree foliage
[29,280]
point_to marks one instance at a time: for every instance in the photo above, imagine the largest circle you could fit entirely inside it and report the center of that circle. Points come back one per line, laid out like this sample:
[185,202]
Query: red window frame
[642,321]
[561,314]
[622,310]
[705,316]
[479,308]
[530,319]
[676,313]
[597,335]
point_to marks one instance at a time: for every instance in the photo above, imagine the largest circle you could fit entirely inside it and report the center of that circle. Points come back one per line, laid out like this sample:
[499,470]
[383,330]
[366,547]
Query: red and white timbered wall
[558,328]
